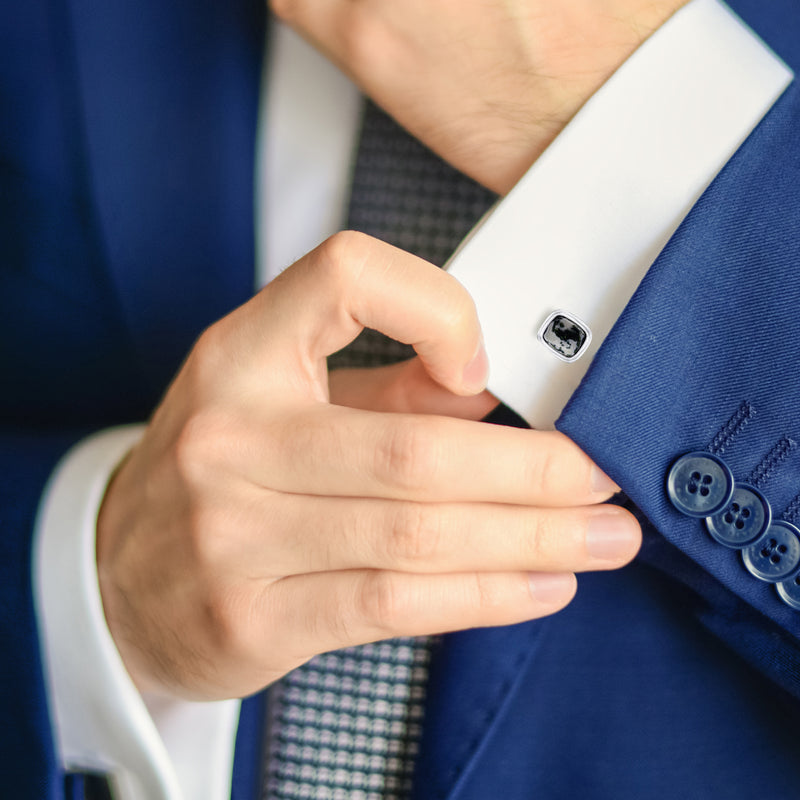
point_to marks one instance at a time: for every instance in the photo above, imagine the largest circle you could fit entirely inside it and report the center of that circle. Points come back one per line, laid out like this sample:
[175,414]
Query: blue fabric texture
[697,344]
[127,136]
[250,746]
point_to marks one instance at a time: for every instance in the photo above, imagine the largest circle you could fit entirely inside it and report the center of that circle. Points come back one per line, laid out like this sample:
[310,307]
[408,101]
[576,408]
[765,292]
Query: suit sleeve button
[776,556]
[699,484]
[743,521]
[789,591]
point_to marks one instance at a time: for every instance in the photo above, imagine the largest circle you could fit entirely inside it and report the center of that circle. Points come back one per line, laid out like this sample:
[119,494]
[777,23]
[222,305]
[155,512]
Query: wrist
[112,545]
[575,47]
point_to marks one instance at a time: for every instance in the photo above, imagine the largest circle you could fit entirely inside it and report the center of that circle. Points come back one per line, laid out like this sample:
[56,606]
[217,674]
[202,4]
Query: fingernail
[602,483]
[551,588]
[476,373]
[611,536]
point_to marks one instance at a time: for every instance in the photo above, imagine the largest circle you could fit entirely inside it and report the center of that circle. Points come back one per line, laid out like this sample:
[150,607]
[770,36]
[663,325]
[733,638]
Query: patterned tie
[346,725]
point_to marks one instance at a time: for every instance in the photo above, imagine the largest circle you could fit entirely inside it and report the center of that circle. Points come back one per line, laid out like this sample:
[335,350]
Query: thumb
[404,388]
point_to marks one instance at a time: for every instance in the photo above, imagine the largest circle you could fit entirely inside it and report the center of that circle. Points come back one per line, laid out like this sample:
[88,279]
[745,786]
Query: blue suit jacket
[126,142]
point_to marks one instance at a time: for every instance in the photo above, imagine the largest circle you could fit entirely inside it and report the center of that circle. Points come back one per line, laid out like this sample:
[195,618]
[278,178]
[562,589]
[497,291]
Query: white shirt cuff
[101,722]
[576,235]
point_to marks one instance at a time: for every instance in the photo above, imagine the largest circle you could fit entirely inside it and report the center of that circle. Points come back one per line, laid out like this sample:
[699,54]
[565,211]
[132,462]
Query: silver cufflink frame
[565,335]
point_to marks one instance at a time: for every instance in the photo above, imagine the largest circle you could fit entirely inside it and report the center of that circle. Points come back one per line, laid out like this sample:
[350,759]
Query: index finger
[337,451]
[352,281]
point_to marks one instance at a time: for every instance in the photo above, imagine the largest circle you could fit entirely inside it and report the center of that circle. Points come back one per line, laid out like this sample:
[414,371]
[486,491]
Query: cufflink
[565,335]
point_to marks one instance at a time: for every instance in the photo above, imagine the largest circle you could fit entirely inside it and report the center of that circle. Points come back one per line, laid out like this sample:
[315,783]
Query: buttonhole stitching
[779,453]
[732,428]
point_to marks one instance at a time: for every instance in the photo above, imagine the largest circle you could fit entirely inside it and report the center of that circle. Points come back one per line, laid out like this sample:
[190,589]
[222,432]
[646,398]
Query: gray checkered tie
[346,725]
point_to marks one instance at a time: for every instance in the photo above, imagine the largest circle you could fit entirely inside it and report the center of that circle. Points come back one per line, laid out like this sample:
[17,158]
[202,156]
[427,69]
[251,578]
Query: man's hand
[257,524]
[487,84]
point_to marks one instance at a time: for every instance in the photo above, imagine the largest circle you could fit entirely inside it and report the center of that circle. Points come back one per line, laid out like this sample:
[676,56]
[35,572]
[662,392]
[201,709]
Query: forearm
[486,85]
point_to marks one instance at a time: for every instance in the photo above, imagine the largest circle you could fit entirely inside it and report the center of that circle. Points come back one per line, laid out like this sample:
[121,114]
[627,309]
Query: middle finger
[299,534]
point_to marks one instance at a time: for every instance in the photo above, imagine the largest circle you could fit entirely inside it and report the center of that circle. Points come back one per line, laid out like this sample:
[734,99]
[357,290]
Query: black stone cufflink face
[565,335]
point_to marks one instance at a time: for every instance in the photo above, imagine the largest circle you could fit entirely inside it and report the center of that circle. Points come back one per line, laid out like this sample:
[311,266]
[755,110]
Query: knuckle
[224,619]
[543,473]
[414,535]
[191,449]
[488,592]
[407,457]
[382,604]
[344,256]
[200,446]
[545,543]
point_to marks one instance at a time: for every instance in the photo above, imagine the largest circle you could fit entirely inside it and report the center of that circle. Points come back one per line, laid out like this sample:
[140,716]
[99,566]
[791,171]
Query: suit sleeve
[30,769]
[706,358]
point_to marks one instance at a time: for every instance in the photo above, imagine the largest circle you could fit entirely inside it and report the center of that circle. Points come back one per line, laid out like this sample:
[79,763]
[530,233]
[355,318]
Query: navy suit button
[777,555]
[789,591]
[743,521]
[699,484]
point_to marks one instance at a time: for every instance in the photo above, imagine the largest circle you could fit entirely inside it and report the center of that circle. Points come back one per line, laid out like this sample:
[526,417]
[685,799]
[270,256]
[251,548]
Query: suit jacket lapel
[473,676]
[170,93]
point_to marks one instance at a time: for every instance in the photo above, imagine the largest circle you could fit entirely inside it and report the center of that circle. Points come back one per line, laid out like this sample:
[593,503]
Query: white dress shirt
[168,750]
